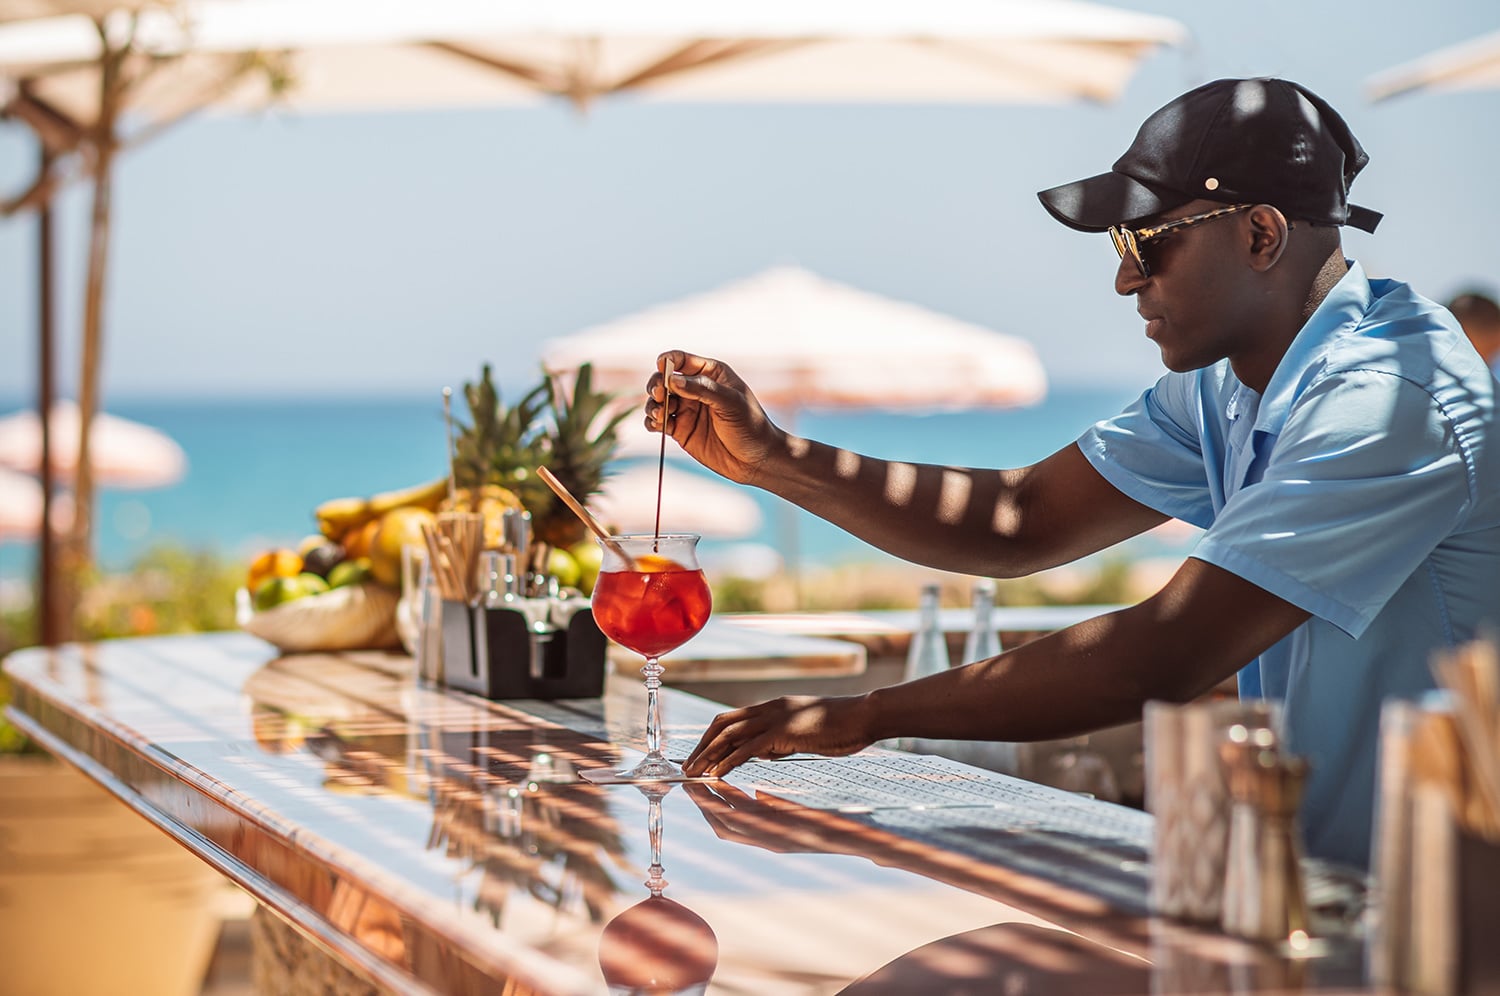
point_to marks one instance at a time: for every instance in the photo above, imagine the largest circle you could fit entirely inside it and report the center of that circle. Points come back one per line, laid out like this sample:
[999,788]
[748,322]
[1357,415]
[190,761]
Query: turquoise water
[256,469]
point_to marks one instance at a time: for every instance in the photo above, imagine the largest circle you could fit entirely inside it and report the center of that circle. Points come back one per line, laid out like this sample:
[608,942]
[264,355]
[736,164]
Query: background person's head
[1479,314]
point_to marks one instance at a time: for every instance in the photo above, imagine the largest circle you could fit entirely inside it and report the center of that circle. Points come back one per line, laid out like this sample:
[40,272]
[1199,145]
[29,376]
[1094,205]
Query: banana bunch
[338,517]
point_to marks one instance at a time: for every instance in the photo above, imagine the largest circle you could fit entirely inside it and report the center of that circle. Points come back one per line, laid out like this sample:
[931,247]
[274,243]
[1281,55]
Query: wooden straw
[441,566]
[609,541]
[461,535]
[1472,674]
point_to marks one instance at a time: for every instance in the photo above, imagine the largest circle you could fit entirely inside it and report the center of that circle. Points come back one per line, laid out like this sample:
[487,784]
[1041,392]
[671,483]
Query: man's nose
[1128,277]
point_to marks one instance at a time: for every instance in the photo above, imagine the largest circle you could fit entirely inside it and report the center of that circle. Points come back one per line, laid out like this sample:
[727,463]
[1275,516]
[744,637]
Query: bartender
[1333,433]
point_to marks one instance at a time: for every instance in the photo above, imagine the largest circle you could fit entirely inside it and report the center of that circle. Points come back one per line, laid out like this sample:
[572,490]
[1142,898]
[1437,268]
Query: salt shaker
[1264,898]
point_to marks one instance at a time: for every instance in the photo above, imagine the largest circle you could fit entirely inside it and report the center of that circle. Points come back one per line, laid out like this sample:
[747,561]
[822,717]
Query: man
[1331,433]
[1479,316]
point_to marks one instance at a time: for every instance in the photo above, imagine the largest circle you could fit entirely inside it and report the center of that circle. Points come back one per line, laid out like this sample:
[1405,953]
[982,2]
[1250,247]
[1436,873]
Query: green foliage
[168,590]
[12,740]
[738,595]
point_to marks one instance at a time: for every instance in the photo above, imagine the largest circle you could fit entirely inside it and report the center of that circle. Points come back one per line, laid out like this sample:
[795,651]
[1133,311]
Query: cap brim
[1093,205]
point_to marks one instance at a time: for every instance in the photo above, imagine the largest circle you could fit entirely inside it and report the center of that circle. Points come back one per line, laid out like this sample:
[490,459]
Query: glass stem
[656,882]
[653,672]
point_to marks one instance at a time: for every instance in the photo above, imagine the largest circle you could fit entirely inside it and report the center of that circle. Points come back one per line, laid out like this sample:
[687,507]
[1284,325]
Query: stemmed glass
[651,598]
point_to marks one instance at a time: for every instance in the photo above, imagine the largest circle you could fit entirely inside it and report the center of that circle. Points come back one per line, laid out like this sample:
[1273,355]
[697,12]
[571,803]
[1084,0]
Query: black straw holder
[494,652]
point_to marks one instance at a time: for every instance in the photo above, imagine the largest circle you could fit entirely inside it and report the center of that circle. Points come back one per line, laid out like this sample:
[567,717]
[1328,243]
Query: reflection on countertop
[434,841]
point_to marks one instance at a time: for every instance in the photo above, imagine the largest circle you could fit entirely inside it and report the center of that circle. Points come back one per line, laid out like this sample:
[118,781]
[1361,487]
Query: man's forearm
[950,518]
[1178,644]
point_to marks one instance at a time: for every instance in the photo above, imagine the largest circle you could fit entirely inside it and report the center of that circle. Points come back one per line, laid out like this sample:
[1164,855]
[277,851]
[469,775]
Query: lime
[590,556]
[311,584]
[561,565]
[350,572]
[274,591]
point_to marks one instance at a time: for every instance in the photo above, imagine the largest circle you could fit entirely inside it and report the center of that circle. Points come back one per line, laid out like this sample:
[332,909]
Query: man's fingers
[745,752]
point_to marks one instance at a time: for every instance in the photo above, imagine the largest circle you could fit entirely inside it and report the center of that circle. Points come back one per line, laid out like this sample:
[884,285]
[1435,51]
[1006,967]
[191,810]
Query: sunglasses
[1128,241]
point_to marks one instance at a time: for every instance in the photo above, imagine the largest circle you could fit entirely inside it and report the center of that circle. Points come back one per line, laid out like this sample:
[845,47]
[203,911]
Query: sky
[381,253]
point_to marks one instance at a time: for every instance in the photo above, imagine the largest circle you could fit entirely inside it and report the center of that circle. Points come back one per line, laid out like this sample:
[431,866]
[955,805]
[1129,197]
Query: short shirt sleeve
[1154,451]
[1362,482]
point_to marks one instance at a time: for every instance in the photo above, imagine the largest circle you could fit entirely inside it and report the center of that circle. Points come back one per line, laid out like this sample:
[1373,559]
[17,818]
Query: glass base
[652,768]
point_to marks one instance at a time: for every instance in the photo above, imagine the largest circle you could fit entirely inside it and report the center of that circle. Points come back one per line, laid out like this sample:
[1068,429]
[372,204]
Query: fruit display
[337,590]
[333,584]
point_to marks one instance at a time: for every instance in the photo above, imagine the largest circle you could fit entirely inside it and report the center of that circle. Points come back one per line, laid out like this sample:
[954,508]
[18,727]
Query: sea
[257,468]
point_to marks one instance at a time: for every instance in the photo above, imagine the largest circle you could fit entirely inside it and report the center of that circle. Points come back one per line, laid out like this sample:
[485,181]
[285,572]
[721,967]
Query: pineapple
[500,444]
[553,425]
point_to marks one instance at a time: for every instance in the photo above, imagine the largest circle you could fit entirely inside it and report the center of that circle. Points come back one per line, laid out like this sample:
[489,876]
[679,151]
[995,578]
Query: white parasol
[358,54]
[126,454]
[802,341]
[1470,65]
[21,508]
[690,502]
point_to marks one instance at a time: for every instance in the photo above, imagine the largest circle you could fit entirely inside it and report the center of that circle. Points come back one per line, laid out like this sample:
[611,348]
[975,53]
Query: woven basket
[358,617]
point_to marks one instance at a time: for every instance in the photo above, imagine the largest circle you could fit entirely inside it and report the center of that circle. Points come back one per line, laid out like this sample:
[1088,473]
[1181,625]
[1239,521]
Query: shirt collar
[1344,308]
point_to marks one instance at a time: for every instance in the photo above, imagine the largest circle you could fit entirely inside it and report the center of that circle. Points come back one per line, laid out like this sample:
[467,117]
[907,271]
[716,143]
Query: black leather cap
[1258,141]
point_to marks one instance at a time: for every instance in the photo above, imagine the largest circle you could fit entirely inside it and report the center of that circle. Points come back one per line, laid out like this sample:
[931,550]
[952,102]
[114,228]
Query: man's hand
[791,724]
[713,416]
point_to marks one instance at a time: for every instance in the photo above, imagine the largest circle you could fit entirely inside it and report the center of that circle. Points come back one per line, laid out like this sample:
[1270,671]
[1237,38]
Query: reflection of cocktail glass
[651,598]
[657,946]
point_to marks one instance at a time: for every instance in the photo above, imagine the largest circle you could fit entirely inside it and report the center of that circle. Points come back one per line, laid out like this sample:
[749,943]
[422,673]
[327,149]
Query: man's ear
[1268,236]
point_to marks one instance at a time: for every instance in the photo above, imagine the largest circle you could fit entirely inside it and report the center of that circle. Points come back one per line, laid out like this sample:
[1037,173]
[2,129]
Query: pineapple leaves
[569,428]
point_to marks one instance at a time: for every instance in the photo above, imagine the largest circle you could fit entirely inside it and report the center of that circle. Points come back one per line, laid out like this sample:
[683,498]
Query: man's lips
[1153,323]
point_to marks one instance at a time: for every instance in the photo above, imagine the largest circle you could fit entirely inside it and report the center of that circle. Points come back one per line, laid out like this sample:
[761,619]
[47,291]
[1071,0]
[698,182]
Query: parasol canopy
[690,503]
[125,454]
[802,341]
[1470,65]
[21,508]
[342,54]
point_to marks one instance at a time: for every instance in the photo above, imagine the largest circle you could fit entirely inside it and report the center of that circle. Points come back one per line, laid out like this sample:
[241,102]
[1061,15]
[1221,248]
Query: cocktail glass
[651,598]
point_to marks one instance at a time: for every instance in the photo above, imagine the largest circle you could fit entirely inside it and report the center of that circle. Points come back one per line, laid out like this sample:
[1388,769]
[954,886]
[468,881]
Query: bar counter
[435,842]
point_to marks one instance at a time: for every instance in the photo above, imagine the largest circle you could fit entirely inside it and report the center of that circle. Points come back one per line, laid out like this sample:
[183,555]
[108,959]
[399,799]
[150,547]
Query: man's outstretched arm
[1198,630]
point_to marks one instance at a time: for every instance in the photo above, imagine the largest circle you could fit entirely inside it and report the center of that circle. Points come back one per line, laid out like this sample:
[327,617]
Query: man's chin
[1180,364]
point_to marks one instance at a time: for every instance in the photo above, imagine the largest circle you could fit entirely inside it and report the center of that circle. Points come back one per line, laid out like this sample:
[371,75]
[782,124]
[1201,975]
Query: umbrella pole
[46,601]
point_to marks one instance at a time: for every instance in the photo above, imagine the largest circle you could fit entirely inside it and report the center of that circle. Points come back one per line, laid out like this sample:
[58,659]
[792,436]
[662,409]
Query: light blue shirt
[1362,486]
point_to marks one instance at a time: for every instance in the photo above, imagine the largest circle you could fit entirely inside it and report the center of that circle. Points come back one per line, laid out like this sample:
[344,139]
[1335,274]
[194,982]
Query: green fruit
[350,572]
[311,584]
[561,565]
[275,591]
[590,557]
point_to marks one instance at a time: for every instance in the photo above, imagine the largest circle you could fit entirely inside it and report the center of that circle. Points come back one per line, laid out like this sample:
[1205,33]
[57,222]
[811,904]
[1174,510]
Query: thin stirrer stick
[661,460]
[609,541]
[448,436]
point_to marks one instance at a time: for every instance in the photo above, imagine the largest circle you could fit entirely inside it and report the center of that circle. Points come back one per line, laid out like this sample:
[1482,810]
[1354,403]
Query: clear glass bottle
[983,640]
[928,653]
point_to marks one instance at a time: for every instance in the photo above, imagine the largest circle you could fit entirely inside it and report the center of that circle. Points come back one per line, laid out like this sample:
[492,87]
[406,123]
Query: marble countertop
[438,842]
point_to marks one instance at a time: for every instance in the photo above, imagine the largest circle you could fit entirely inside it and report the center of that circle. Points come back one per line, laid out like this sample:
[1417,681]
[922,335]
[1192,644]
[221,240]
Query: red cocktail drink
[651,611]
[651,598]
